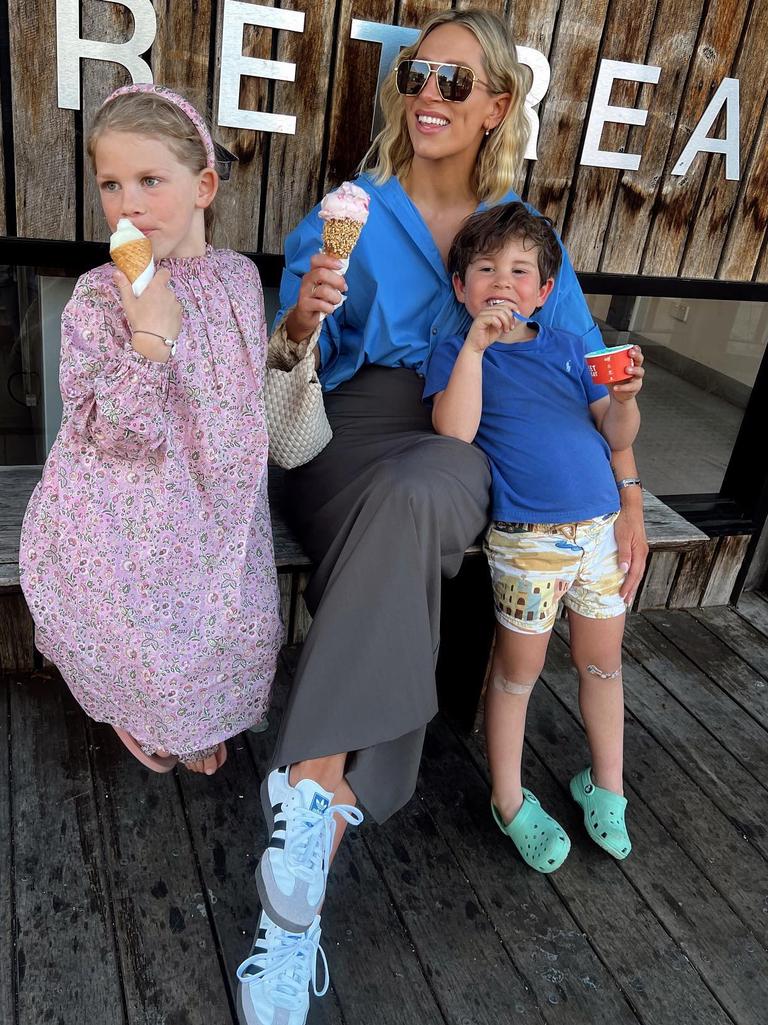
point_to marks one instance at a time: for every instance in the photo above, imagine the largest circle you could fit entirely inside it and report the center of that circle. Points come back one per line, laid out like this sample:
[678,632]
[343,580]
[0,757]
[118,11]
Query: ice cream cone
[131,252]
[133,257]
[340,236]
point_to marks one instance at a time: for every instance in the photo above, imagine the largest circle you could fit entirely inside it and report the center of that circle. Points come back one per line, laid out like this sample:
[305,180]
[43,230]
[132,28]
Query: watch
[628,482]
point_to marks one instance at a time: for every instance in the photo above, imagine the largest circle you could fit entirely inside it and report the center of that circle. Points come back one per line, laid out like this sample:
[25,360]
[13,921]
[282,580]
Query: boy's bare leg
[596,653]
[517,662]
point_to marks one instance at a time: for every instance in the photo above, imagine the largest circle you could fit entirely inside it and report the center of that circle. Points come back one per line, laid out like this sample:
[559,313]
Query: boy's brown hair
[487,232]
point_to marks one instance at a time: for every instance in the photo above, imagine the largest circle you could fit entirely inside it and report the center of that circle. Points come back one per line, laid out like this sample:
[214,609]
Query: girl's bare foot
[210,764]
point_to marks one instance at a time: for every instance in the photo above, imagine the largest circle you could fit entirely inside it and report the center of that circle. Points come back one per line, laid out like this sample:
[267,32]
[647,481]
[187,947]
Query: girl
[388,506]
[146,552]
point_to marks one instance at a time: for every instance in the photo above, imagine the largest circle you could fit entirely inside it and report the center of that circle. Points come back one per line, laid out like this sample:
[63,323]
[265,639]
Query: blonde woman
[389,507]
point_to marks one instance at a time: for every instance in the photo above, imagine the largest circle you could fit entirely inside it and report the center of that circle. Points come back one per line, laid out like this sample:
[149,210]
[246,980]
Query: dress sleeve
[113,396]
[300,246]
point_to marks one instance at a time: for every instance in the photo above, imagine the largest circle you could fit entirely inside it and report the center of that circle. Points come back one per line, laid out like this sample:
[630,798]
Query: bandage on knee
[510,687]
[595,671]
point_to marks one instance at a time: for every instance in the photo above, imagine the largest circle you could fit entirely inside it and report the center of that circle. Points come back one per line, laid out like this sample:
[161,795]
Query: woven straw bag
[298,427]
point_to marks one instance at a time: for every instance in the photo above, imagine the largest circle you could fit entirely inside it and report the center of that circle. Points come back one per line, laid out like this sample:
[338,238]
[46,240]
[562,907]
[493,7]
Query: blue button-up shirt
[400,298]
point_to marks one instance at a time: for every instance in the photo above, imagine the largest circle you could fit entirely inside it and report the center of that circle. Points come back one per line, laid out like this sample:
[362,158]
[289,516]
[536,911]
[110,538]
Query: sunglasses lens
[455,82]
[411,76]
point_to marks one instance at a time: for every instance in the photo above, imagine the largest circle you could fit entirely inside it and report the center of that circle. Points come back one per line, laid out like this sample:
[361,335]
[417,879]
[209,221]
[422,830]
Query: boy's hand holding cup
[619,368]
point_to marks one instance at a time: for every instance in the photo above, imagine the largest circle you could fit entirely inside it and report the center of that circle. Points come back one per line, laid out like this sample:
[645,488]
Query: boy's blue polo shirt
[400,298]
[549,463]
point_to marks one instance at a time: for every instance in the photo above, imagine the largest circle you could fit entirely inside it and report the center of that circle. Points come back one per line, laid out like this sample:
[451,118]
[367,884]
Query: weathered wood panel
[717,660]
[645,221]
[352,95]
[3,224]
[44,135]
[112,23]
[664,985]
[574,61]
[534,25]
[627,33]
[676,28]
[17,633]
[707,929]
[678,198]
[517,895]
[657,583]
[692,578]
[746,231]
[180,55]
[161,912]
[238,204]
[59,878]
[704,244]
[294,160]
[6,862]
[725,569]
[695,696]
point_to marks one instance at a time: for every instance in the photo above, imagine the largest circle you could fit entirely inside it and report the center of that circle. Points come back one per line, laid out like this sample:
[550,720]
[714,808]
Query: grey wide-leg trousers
[385,510]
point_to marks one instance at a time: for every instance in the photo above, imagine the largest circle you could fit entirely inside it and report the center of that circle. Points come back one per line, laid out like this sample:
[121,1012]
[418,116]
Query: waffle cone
[340,236]
[133,257]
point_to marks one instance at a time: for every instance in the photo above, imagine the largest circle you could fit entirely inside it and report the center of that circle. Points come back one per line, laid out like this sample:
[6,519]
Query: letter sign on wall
[602,111]
[699,142]
[71,49]
[234,65]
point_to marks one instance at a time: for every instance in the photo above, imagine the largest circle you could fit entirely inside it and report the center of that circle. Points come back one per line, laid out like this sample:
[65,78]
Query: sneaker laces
[308,845]
[286,967]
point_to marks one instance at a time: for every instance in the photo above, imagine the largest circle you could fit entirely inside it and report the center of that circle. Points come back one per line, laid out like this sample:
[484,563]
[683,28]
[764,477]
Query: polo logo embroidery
[319,803]
[568,367]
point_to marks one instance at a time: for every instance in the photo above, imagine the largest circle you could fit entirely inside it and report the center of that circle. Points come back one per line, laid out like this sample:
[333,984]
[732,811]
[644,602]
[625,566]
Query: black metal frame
[741,507]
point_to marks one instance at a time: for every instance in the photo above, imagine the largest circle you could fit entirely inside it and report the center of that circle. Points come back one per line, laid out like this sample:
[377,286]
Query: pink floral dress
[146,551]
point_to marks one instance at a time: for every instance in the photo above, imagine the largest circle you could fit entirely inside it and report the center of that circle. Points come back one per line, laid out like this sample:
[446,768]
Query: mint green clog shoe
[603,814]
[543,843]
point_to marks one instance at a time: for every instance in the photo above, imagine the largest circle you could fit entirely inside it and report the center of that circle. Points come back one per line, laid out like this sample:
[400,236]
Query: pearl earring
[487,131]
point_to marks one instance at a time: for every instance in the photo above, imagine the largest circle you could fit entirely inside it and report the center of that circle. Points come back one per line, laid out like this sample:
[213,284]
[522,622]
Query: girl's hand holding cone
[156,311]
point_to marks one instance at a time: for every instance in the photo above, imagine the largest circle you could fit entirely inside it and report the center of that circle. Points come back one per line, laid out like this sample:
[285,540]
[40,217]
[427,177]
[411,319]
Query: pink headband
[177,101]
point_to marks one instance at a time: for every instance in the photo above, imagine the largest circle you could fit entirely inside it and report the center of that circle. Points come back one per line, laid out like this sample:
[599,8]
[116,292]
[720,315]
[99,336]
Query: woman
[388,507]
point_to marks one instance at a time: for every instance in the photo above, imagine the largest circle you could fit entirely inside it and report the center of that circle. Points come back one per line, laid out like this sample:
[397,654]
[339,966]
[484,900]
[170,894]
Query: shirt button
[434,330]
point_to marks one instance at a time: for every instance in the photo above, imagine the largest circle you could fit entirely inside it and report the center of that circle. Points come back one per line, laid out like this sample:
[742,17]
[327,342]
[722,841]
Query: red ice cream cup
[608,366]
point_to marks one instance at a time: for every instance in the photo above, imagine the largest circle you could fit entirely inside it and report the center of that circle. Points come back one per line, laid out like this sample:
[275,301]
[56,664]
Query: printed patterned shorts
[534,565]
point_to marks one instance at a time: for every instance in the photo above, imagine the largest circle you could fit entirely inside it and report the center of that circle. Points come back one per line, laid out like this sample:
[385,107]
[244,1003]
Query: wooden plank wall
[632,222]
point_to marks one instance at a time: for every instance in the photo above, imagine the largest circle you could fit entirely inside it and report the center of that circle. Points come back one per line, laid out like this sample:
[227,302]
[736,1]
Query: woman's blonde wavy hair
[501,153]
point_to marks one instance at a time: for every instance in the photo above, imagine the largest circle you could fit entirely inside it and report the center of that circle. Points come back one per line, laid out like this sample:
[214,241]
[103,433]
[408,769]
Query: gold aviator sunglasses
[454,81]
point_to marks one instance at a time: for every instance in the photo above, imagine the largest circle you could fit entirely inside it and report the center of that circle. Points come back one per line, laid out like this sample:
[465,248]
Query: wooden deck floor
[128,899]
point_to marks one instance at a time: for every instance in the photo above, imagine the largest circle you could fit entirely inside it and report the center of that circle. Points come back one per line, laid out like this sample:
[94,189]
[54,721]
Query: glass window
[702,358]
[30,336]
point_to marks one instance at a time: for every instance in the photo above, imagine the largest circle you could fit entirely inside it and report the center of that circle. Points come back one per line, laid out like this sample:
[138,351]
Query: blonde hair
[147,113]
[501,153]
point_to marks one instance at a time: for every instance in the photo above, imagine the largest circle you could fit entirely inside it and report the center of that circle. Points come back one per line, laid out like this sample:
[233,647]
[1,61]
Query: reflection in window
[30,335]
[702,358]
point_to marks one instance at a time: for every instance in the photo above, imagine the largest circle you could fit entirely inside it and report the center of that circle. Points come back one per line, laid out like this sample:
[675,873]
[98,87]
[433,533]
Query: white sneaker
[293,870]
[274,981]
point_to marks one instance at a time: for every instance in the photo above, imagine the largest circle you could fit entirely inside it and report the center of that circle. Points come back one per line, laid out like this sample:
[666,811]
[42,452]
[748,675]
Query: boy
[523,392]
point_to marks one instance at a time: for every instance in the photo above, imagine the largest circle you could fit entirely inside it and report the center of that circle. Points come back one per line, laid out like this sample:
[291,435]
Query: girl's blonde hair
[147,113]
[501,153]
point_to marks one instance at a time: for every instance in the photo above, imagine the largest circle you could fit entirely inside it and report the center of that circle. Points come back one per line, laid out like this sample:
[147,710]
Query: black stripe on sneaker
[277,842]
[277,808]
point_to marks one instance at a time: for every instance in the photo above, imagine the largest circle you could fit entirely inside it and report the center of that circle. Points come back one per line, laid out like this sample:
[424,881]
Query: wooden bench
[681,556]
